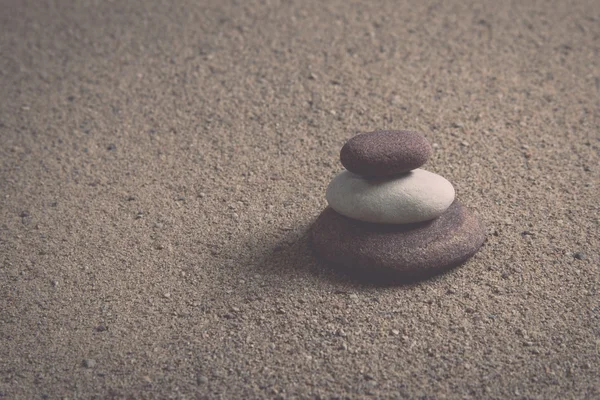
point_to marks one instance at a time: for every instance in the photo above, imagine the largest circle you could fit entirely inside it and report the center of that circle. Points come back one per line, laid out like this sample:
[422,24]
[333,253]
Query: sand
[161,163]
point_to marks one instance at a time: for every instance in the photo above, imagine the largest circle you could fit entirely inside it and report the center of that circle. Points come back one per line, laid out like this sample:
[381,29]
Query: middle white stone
[416,196]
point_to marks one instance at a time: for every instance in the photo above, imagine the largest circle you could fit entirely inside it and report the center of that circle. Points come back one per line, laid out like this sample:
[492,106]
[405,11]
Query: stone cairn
[387,218]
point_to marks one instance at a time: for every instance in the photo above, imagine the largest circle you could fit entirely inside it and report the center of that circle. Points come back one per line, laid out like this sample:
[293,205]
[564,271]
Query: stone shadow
[291,256]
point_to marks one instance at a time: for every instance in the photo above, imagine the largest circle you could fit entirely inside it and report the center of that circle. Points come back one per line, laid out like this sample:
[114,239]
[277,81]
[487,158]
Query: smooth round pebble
[416,196]
[398,251]
[385,153]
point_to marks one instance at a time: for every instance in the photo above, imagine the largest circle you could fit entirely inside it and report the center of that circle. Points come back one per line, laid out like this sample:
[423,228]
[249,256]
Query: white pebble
[413,197]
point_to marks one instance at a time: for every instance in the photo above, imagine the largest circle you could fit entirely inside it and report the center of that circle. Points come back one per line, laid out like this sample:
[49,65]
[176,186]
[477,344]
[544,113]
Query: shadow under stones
[292,256]
[377,278]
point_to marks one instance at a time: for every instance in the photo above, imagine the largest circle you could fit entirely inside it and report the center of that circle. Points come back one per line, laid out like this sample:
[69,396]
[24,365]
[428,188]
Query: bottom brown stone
[403,252]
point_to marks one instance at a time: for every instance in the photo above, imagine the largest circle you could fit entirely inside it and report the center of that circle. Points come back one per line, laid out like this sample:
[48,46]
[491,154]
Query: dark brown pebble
[398,252]
[385,153]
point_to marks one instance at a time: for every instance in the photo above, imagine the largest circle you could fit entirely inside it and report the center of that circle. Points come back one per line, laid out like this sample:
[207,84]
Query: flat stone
[398,252]
[415,196]
[385,153]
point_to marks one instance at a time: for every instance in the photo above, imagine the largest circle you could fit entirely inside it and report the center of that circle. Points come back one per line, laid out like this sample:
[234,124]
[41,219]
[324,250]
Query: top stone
[385,153]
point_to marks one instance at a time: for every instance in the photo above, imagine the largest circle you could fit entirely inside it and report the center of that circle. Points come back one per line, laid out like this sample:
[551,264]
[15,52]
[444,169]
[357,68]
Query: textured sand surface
[161,162]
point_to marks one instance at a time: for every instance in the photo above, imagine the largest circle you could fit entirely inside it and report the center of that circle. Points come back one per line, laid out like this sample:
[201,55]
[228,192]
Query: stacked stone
[388,217]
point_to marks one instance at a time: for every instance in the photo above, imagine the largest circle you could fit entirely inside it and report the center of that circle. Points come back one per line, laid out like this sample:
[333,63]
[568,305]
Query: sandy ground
[161,162]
